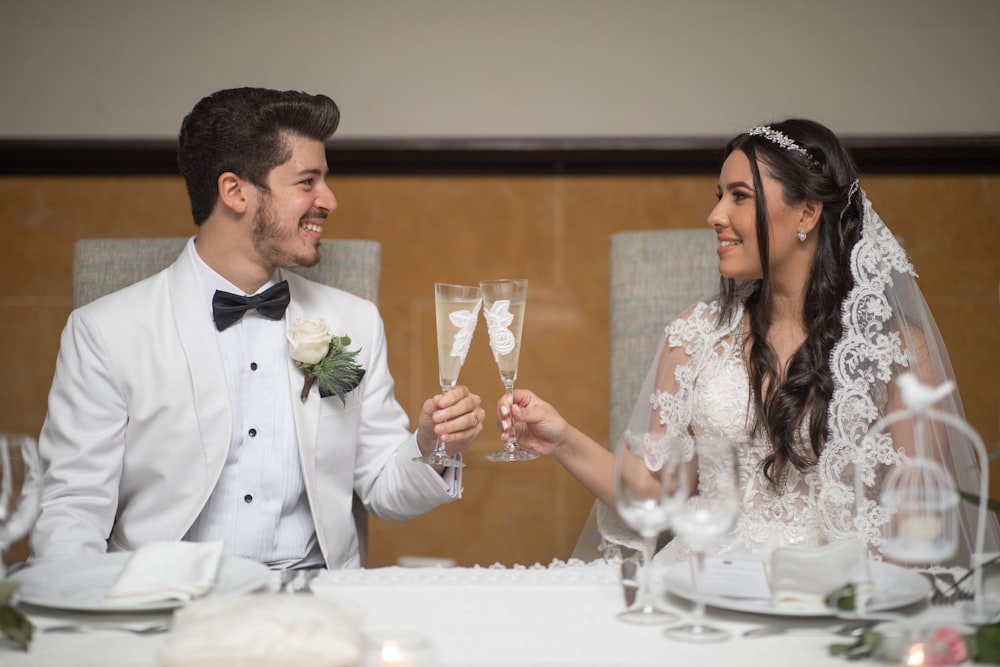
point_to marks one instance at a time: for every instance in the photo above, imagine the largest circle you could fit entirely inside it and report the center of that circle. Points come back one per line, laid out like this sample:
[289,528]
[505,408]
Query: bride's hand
[537,425]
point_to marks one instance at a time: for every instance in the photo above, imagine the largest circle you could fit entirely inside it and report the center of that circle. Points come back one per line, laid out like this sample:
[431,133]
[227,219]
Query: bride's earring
[801,235]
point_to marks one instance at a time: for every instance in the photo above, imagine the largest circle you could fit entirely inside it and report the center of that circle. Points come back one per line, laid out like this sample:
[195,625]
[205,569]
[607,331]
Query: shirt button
[253,365]
[248,499]
[252,432]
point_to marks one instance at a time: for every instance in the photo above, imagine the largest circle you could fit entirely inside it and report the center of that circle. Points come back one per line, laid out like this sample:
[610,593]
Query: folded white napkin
[258,630]
[161,571]
[804,577]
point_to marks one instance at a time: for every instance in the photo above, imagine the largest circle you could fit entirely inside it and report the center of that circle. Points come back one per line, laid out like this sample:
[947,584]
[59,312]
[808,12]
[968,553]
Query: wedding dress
[699,385]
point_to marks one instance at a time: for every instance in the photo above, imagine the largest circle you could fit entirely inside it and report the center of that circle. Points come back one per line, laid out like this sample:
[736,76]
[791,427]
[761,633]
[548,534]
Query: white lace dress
[708,394]
[699,385]
[716,402]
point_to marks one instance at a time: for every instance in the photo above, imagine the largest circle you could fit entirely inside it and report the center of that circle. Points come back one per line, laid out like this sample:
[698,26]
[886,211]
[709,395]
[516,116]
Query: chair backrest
[101,266]
[653,276]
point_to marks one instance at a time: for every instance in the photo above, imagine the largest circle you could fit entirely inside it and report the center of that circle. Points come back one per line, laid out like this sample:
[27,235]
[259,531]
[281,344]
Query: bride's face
[734,219]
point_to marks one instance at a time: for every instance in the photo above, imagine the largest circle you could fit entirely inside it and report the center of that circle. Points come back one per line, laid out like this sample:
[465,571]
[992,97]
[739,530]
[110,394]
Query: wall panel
[551,229]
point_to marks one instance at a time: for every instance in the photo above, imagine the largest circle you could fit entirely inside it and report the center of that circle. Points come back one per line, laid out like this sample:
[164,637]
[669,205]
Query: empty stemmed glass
[503,308]
[20,492]
[457,311]
[650,483]
[704,519]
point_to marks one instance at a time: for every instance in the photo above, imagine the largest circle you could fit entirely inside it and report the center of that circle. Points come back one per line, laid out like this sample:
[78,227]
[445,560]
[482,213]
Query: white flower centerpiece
[324,358]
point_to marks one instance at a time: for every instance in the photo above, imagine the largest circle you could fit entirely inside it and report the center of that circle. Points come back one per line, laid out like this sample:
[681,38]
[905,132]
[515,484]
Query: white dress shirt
[259,508]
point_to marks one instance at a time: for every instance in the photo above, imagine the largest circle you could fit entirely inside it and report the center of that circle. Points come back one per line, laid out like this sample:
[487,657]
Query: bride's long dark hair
[804,392]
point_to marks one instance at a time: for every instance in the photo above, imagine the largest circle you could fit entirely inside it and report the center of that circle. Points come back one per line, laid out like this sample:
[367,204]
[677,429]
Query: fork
[138,628]
[287,577]
[955,591]
[938,596]
[307,577]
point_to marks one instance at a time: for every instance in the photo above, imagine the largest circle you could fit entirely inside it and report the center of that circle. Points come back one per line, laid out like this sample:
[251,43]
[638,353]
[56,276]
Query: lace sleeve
[666,399]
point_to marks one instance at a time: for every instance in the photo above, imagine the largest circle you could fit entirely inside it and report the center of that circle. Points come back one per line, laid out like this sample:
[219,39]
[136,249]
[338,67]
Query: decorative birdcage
[920,495]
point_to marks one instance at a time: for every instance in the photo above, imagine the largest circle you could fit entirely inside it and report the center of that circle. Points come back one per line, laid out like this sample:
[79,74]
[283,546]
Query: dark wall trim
[897,155]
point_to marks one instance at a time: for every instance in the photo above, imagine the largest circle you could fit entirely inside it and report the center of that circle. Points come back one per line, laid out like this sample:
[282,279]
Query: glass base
[991,610]
[511,455]
[697,632]
[647,615]
[439,459]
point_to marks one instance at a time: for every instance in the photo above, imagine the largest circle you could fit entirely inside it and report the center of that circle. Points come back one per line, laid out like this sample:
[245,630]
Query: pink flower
[945,647]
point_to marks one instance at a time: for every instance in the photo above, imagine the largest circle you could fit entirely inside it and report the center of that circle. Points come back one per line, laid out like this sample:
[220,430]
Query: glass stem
[438,445]
[511,440]
[646,576]
[698,613]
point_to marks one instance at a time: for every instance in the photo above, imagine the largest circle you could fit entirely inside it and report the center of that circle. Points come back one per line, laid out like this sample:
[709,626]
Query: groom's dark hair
[244,130]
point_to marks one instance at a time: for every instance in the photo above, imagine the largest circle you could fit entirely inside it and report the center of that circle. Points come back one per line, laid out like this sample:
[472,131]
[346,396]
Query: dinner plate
[79,584]
[894,587]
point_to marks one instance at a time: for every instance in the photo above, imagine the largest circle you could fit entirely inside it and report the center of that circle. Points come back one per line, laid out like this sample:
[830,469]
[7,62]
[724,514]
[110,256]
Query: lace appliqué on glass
[498,321]
[466,323]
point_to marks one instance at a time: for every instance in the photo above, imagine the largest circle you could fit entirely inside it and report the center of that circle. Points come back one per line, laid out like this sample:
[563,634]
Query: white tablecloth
[557,615]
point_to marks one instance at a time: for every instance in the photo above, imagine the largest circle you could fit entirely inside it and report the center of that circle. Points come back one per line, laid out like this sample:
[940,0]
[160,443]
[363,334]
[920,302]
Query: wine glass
[704,519]
[20,491]
[503,308]
[645,498]
[457,311]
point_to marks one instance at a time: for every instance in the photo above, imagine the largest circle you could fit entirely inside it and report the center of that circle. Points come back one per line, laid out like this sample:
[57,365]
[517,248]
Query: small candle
[392,655]
[915,655]
[921,527]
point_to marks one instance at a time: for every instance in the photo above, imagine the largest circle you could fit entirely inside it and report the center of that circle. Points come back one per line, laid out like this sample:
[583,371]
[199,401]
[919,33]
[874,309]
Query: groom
[175,409]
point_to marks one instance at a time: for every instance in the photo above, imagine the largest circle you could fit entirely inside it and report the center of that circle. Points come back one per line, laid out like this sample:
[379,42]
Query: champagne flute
[503,308]
[646,496]
[20,490]
[457,311]
[704,519]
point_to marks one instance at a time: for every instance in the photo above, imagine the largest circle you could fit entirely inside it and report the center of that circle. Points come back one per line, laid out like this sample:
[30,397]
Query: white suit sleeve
[391,485]
[81,446]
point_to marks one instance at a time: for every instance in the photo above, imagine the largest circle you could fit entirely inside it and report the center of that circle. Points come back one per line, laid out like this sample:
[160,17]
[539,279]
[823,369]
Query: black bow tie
[227,309]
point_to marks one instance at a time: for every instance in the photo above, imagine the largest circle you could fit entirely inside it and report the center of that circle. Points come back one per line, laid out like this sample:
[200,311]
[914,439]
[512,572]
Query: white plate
[79,584]
[894,587]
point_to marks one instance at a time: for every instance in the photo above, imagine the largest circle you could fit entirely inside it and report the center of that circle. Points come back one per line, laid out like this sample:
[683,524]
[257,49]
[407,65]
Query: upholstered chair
[101,266]
[653,276]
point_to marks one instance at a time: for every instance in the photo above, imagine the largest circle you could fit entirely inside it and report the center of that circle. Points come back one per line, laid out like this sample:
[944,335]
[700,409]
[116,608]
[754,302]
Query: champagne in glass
[457,311]
[503,308]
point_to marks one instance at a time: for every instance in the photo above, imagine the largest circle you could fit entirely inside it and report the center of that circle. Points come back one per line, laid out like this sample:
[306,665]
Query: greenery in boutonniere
[14,625]
[325,359]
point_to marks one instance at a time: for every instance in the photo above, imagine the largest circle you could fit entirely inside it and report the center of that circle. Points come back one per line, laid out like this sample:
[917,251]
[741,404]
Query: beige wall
[553,231]
[509,68]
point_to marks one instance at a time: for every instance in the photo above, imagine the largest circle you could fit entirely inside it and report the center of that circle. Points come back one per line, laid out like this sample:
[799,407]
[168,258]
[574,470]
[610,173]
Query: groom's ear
[234,192]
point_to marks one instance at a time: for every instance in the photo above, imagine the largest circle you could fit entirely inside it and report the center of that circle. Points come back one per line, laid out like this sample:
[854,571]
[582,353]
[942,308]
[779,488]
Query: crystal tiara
[781,139]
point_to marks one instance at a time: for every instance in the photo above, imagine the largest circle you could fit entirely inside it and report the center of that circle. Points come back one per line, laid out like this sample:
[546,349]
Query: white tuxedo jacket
[138,424]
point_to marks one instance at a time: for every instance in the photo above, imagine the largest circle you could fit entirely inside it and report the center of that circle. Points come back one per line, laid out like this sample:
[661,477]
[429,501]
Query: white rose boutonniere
[324,358]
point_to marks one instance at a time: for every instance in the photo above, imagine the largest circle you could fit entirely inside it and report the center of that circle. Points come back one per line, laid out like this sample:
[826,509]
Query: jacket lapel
[204,362]
[306,413]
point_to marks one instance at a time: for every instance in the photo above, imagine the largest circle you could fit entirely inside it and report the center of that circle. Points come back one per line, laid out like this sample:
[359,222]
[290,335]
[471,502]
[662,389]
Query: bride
[795,358]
